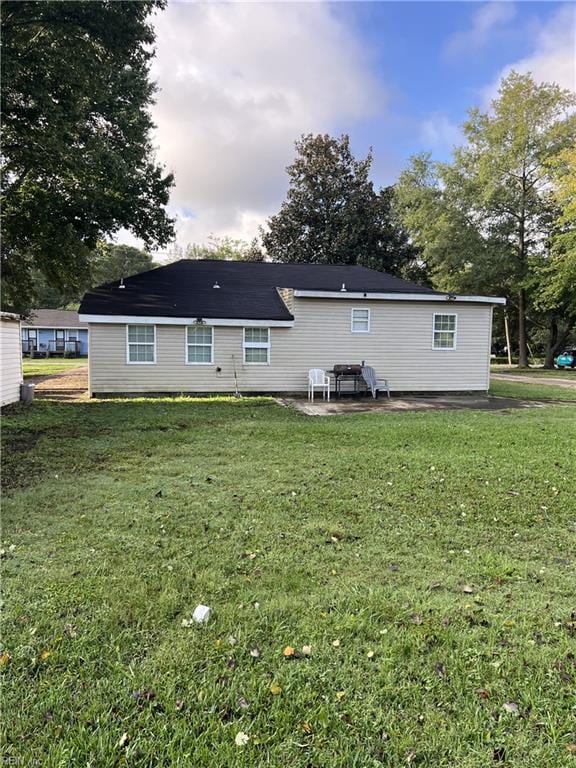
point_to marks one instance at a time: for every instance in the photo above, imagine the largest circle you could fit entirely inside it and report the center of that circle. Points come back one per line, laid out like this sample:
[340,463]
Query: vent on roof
[121,283]
[343,289]
[216,285]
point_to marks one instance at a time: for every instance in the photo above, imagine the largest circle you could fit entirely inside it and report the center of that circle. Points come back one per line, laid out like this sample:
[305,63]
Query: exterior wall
[11,371]
[49,334]
[398,346]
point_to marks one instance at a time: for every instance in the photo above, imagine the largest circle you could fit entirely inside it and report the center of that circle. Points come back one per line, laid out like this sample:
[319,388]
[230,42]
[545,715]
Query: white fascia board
[355,295]
[216,321]
[56,327]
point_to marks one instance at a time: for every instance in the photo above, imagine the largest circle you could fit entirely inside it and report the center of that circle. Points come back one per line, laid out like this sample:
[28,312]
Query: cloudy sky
[239,82]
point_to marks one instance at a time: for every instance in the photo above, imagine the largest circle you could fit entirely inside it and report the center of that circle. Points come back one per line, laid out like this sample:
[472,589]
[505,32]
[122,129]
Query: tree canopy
[332,213]
[77,158]
[486,220]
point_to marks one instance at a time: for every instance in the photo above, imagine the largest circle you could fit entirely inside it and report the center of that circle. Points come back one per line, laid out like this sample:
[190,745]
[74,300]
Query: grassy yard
[426,559]
[530,391]
[547,372]
[48,366]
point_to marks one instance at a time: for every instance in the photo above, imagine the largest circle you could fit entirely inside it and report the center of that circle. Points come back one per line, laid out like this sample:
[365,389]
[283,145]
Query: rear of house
[11,358]
[212,326]
[54,332]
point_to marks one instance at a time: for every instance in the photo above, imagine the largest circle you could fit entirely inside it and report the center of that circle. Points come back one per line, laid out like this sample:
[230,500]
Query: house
[11,358]
[218,326]
[51,332]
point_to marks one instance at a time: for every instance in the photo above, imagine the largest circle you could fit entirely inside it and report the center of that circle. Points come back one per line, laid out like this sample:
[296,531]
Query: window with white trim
[141,341]
[444,331]
[199,344]
[257,345]
[360,321]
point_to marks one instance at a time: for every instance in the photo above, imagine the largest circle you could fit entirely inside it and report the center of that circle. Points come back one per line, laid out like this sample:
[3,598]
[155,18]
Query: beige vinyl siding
[398,346]
[11,371]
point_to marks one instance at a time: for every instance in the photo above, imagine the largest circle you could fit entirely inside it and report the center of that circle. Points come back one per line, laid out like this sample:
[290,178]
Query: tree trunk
[522,341]
[507,332]
[557,338]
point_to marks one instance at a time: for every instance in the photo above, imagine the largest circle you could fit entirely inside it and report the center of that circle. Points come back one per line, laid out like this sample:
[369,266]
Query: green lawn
[553,372]
[48,366]
[529,391]
[427,559]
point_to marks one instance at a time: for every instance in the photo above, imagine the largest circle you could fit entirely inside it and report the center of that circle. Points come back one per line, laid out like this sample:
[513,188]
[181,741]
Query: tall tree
[224,249]
[110,262]
[77,158]
[486,218]
[332,214]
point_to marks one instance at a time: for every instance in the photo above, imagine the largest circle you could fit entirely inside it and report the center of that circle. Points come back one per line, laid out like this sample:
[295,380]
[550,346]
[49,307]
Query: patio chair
[317,377]
[372,383]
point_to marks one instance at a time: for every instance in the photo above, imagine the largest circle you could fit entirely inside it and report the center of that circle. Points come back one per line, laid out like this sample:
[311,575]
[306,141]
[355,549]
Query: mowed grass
[49,366]
[427,559]
[560,373]
[531,391]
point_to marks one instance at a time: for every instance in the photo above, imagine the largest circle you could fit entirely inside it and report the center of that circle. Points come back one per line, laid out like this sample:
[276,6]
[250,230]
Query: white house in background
[217,326]
[11,358]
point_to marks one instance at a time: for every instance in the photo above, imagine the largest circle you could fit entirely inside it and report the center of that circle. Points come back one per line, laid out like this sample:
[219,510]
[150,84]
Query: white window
[360,321]
[444,332]
[257,345]
[141,341]
[199,344]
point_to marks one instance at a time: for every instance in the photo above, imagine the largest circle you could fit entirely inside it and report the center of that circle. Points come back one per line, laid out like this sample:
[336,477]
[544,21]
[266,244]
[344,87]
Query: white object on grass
[201,614]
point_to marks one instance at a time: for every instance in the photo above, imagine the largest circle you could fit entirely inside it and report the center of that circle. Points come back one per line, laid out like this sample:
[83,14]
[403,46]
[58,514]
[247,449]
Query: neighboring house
[54,332]
[11,358]
[214,326]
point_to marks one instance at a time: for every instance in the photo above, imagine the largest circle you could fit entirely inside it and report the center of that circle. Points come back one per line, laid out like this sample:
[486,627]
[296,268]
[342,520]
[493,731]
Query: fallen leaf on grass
[242,703]
[123,740]
[511,706]
[306,650]
[45,655]
[275,689]
[306,727]
[482,693]
[340,695]
[4,658]
[288,652]
[571,748]
[467,589]
[255,652]
[241,739]
[371,654]
[336,643]
[70,630]
[179,705]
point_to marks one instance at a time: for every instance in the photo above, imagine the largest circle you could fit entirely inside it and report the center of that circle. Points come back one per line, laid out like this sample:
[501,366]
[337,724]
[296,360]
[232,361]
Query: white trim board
[446,298]
[215,321]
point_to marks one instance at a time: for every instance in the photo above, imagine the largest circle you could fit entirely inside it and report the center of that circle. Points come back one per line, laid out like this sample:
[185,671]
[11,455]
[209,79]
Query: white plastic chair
[320,379]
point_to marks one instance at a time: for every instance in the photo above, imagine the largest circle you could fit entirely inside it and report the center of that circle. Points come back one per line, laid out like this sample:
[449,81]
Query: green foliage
[111,262]
[77,156]
[223,249]
[333,215]
[485,220]
[124,515]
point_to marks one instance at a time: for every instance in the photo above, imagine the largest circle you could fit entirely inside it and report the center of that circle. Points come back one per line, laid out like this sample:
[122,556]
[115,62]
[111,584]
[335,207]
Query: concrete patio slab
[412,403]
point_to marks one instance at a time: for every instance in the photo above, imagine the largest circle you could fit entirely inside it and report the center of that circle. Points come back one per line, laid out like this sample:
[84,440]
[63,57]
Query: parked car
[566,359]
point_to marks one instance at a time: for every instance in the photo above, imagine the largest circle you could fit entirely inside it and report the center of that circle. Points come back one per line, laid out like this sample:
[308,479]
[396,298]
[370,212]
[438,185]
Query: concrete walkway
[403,404]
[550,381]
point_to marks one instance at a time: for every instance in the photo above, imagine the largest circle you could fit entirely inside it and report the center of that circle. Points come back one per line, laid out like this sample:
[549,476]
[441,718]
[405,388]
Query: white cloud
[485,22]
[439,132]
[553,59]
[238,84]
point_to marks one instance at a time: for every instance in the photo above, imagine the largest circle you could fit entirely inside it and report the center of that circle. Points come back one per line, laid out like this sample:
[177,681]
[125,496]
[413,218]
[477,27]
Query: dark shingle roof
[54,318]
[247,289]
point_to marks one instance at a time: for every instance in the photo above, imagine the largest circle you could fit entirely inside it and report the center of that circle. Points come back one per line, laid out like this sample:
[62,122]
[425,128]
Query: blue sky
[239,82]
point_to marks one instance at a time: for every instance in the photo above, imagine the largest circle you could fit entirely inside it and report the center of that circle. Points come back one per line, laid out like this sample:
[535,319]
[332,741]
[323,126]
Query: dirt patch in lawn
[68,385]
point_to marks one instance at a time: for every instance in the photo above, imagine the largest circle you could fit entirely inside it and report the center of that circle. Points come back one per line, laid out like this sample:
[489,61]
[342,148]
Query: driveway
[547,380]
[68,385]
